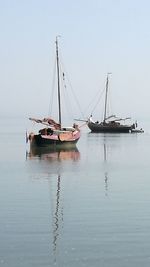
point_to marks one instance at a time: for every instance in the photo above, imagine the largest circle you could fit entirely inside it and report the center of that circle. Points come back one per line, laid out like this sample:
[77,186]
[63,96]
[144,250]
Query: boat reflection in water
[58,162]
[54,154]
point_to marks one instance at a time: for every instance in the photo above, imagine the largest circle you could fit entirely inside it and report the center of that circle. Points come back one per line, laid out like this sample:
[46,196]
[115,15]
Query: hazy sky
[96,37]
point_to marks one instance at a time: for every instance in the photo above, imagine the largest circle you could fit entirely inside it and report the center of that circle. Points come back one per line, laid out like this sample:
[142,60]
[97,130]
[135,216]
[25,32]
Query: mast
[106,96]
[58,81]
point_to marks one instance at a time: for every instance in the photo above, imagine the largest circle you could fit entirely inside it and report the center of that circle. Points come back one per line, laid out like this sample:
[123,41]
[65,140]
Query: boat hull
[53,141]
[101,128]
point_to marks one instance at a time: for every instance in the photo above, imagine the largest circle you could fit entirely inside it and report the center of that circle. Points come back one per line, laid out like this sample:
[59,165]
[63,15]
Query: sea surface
[85,207]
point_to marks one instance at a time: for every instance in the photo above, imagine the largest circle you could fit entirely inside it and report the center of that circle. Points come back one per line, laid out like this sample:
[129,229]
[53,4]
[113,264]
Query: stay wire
[72,90]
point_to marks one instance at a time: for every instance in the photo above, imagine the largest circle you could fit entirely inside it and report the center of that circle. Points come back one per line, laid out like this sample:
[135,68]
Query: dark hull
[38,141]
[100,128]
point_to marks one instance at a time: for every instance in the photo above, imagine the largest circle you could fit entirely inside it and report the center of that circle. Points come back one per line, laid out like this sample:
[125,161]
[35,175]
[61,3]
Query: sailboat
[54,134]
[110,124]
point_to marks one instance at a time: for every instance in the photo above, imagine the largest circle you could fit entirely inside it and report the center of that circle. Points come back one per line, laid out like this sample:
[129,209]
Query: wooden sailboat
[54,134]
[110,124]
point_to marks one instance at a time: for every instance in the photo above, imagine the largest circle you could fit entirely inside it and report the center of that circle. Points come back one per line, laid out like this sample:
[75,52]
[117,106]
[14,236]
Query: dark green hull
[39,141]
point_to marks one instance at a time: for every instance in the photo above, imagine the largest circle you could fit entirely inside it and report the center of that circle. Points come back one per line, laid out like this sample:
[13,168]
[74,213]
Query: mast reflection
[105,162]
[57,216]
[106,183]
[55,169]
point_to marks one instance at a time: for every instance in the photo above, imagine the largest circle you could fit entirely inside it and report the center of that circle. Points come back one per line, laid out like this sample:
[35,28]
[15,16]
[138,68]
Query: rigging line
[65,93]
[75,97]
[65,97]
[93,100]
[110,103]
[52,91]
[83,124]
[98,100]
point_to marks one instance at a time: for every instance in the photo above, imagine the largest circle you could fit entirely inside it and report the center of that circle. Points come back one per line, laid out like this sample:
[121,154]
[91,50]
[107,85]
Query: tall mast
[58,81]
[106,96]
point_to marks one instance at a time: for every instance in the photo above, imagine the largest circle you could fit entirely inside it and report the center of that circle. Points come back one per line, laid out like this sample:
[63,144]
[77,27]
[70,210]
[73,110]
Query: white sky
[96,37]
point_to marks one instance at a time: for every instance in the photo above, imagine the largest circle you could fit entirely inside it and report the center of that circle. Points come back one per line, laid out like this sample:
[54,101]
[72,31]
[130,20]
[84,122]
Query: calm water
[89,207]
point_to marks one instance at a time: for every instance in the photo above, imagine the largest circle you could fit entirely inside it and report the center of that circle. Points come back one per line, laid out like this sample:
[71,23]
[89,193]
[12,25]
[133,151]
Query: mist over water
[84,207]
